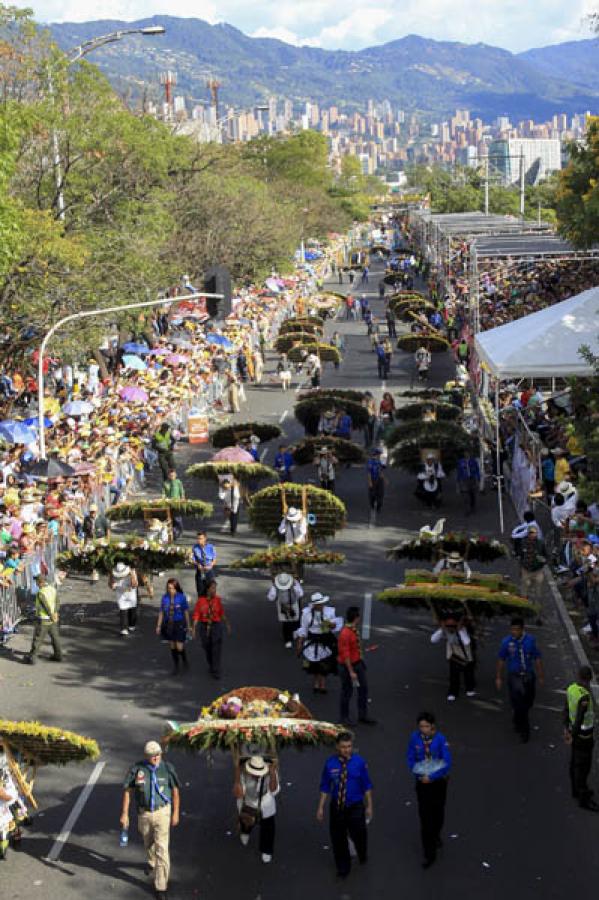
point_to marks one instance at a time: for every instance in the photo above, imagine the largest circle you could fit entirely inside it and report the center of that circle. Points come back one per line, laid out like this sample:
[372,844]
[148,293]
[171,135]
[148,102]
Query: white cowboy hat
[317,598]
[256,766]
[454,557]
[283,581]
[565,487]
[330,414]
[293,514]
[120,570]
[323,450]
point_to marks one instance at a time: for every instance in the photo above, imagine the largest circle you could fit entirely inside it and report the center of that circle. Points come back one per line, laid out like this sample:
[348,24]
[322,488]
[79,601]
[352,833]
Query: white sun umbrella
[78,408]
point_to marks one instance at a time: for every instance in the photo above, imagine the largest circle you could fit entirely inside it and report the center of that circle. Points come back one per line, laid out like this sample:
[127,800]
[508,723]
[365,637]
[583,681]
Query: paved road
[511,829]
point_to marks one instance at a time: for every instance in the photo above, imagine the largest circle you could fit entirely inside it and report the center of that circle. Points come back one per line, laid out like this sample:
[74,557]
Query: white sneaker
[266,858]
[125,632]
[586,630]
[245,839]
[288,645]
[450,698]
[470,694]
[132,629]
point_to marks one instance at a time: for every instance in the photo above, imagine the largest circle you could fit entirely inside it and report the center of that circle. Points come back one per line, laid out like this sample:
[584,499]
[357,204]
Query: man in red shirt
[352,668]
[210,615]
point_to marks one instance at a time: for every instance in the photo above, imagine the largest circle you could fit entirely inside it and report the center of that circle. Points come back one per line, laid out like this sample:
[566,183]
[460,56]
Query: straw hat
[293,514]
[565,487]
[121,570]
[317,598]
[283,581]
[454,557]
[256,766]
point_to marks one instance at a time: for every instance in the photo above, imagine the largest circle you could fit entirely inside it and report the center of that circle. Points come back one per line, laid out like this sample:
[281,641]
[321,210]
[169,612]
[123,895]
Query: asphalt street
[512,829]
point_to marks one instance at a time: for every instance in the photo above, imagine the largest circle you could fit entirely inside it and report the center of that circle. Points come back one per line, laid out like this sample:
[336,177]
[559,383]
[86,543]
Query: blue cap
[593,539]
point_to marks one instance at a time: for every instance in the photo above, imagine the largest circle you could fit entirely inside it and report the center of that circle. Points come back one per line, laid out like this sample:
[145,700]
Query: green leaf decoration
[317,321]
[210,471]
[445,412]
[289,558]
[477,579]
[457,599]
[291,327]
[138,552]
[308,411]
[410,343]
[345,451]
[122,512]
[472,547]
[44,745]
[285,342]
[335,394]
[423,394]
[326,352]
[408,439]
[266,509]
[403,307]
[229,435]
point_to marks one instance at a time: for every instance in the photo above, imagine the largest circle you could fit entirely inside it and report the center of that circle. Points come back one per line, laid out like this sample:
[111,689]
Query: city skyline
[352,24]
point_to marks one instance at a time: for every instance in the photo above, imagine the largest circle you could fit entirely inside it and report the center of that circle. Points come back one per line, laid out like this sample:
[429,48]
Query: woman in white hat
[325,466]
[123,581]
[256,791]
[287,592]
[316,640]
[294,527]
[453,562]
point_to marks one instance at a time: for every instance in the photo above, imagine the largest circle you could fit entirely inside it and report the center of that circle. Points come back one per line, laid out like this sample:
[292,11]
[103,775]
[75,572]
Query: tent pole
[498,458]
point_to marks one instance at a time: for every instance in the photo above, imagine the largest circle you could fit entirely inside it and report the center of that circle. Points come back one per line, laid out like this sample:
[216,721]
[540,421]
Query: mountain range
[413,73]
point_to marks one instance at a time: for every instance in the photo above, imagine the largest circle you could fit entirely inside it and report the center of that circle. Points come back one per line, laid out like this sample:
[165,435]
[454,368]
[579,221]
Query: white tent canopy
[545,344]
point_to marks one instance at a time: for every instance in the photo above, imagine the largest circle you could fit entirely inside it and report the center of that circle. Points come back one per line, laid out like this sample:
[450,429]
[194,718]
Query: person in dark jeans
[256,788]
[345,778]
[209,613]
[352,668]
[460,655]
[429,760]
[579,727]
[520,655]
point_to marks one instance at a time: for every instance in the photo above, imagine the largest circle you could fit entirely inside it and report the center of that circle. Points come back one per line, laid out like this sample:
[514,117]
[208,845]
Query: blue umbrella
[219,340]
[132,347]
[34,422]
[134,362]
[16,432]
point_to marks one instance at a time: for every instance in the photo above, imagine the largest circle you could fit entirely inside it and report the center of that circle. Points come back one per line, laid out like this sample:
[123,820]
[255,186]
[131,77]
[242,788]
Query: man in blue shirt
[520,655]
[204,559]
[284,463]
[344,426]
[346,779]
[468,478]
[429,760]
[376,483]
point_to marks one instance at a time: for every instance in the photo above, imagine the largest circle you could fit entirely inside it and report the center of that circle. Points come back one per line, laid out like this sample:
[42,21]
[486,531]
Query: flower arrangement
[444,412]
[262,716]
[407,440]
[228,435]
[326,352]
[345,451]
[335,394]
[285,342]
[293,327]
[43,745]
[309,409]
[210,471]
[403,305]
[305,320]
[266,509]
[493,582]
[423,394]
[135,510]
[457,598]
[285,558]
[472,547]
[138,552]
[409,343]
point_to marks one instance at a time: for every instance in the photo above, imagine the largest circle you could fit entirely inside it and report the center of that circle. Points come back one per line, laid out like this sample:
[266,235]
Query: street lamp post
[90,313]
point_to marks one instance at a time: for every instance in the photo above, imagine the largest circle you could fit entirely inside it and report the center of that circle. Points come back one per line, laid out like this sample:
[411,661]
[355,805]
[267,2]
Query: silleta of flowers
[142,554]
[228,435]
[284,557]
[263,716]
[137,509]
[471,546]
[481,596]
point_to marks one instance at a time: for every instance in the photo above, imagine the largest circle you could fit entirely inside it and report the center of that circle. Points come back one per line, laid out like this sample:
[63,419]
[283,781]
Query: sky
[353,24]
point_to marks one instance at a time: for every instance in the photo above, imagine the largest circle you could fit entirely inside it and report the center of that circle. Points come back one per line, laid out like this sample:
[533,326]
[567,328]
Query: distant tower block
[213,86]
[169,80]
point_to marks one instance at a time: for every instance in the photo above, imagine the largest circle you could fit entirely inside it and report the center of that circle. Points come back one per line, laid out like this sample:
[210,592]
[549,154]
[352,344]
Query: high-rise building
[539,156]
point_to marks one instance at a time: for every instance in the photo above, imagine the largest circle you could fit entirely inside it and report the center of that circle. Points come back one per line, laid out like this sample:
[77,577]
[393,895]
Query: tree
[578,191]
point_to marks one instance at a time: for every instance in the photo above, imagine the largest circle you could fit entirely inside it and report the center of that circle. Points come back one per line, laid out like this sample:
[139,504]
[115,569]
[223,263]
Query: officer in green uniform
[173,489]
[46,620]
[579,722]
[155,786]
[163,443]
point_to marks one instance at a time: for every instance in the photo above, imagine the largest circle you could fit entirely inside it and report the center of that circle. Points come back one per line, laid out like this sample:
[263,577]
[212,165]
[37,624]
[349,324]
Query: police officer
[155,786]
[163,443]
[46,620]
[579,723]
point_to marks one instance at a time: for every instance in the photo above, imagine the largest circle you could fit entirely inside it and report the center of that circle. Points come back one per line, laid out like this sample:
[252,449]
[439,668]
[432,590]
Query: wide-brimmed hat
[155,525]
[152,748]
[454,557]
[283,581]
[323,450]
[120,570]
[317,598]
[293,514]
[330,413]
[565,487]
[256,766]
[558,450]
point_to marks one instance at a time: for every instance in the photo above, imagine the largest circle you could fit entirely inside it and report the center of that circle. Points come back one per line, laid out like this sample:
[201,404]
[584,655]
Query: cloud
[353,24]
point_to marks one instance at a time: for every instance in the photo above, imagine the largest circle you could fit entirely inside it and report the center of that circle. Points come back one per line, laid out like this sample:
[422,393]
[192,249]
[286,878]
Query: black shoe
[342,875]
[439,843]
[524,737]
[56,659]
[30,660]
[161,895]
[428,862]
[590,805]
[366,720]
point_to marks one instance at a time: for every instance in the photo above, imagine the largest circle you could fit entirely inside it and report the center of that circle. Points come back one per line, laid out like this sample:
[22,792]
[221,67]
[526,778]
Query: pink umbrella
[176,359]
[234,455]
[158,351]
[133,395]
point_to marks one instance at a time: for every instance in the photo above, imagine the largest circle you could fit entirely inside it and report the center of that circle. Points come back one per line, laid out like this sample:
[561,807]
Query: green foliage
[140,553]
[44,745]
[407,440]
[285,342]
[210,471]
[228,435]
[326,352]
[445,412]
[309,410]
[345,451]
[409,343]
[266,509]
[123,512]
[284,558]
[457,599]
[578,191]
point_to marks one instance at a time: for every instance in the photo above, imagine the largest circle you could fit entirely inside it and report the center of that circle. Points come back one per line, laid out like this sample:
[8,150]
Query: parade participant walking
[173,623]
[294,527]
[520,654]
[376,483]
[124,582]
[204,559]
[468,478]
[47,619]
[287,592]
[209,614]
[95,526]
[317,641]
[230,495]
[453,562]
[163,443]
[352,669]
[390,317]
[325,466]
[579,726]
[533,558]
[173,489]
[313,369]
[429,487]
[284,463]
[257,788]
[429,760]
[346,780]
[155,787]
[459,654]
[423,360]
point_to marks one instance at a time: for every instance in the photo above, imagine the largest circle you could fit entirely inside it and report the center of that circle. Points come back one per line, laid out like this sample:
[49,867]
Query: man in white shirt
[294,527]
[459,654]
[528,521]
[287,592]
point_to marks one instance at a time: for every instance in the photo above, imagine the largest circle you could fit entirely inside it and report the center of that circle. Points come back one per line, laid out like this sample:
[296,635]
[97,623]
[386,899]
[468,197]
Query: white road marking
[263,454]
[283,416]
[61,840]
[366,616]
